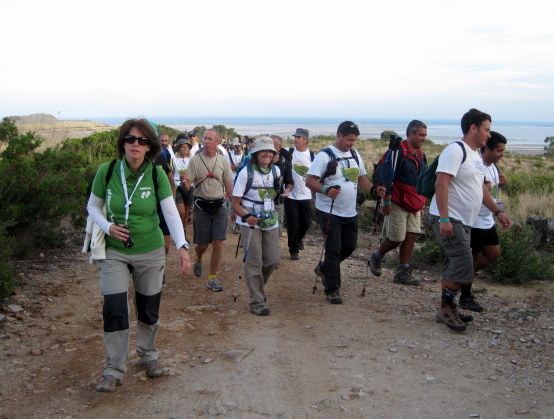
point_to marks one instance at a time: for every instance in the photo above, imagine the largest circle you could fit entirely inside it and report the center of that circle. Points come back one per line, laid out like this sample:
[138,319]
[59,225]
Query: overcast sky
[351,59]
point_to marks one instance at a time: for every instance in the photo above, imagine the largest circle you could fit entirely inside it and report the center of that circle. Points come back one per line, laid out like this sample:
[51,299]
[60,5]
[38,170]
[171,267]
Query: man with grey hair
[210,174]
[402,204]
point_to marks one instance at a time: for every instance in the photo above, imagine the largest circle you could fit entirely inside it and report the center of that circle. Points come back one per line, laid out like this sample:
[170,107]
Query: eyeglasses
[130,139]
[208,139]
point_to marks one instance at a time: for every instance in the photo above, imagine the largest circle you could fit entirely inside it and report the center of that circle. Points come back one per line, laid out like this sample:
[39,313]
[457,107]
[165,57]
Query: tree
[549,147]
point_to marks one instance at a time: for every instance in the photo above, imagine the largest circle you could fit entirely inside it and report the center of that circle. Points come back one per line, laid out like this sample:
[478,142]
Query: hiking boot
[294,256]
[198,268]
[334,297]
[449,316]
[154,368]
[259,309]
[374,265]
[318,272]
[404,276]
[108,384]
[214,285]
[470,303]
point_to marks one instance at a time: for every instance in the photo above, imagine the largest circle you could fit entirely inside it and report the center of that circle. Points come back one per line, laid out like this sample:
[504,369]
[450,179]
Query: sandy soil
[381,355]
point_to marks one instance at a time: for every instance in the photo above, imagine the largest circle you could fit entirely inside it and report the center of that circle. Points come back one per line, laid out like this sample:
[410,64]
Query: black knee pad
[115,312]
[148,307]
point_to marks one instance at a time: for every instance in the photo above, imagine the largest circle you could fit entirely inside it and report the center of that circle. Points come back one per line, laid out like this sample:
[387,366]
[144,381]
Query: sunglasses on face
[130,139]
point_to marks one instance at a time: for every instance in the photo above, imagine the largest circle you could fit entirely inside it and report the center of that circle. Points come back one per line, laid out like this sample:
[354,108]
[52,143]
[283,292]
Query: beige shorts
[402,222]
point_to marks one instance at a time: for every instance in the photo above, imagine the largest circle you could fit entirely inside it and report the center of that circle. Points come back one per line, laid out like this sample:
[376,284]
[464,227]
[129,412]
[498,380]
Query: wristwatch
[497,212]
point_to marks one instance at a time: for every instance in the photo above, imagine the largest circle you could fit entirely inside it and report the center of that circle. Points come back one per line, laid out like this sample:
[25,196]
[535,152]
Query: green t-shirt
[143,217]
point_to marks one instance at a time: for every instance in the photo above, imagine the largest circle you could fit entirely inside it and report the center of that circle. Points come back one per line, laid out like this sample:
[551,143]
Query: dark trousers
[299,216]
[340,243]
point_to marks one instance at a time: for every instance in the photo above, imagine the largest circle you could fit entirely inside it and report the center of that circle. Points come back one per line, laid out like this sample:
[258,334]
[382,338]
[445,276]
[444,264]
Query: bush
[7,278]
[429,252]
[519,263]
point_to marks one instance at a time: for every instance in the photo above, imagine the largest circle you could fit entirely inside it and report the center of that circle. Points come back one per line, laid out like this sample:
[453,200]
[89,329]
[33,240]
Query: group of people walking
[139,198]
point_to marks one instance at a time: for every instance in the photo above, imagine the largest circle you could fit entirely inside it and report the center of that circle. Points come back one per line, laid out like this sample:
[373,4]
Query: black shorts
[483,237]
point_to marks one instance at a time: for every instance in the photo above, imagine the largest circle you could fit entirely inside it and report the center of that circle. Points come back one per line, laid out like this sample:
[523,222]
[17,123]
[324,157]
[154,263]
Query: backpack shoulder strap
[312,155]
[355,156]
[249,177]
[109,173]
[330,153]
[276,179]
[464,151]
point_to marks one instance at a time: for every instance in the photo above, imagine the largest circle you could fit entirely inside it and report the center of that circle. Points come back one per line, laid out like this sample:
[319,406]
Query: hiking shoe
[260,309]
[154,368]
[404,276]
[318,272]
[449,316]
[198,268]
[214,285]
[294,256]
[374,264]
[108,384]
[470,303]
[334,297]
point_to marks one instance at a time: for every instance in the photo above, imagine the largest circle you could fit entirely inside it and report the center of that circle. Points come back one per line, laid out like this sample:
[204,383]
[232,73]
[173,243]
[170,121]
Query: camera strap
[128,201]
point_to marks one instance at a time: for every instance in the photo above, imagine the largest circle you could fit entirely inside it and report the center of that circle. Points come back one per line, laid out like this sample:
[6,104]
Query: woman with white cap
[256,187]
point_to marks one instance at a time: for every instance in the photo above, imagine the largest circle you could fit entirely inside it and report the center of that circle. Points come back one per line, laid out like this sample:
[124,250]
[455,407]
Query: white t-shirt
[485,218]
[233,159]
[259,181]
[179,163]
[301,162]
[465,190]
[346,176]
[194,149]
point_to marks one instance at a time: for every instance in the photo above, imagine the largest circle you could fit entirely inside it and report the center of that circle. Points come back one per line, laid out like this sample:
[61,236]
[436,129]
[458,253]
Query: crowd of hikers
[143,201]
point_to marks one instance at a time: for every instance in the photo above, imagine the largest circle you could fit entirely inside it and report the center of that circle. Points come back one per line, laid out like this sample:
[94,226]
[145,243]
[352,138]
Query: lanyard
[128,201]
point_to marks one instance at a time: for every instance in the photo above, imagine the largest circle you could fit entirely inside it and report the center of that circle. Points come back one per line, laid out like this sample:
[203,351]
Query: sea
[523,137]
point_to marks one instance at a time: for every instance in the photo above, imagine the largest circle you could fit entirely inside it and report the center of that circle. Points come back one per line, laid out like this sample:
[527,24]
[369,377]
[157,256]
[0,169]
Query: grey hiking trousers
[116,273]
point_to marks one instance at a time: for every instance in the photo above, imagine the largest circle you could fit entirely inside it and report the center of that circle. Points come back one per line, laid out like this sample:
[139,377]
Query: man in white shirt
[334,176]
[298,212]
[485,244]
[459,192]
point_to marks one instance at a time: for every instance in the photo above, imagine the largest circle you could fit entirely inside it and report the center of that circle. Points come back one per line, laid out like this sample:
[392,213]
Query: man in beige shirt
[210,174]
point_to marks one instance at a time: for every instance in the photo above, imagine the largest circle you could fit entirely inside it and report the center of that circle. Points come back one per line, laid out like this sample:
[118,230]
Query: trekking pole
[325,235]
[238,245]
[243,268]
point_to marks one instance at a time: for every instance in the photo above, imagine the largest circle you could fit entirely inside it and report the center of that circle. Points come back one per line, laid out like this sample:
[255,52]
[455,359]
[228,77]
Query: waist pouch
[211,207]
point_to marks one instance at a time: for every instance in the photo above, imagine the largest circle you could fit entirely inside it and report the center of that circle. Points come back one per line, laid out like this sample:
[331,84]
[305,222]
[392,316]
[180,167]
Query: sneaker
[154,368]
[294,256]
[449,316]
[470,303]
[260,309]
[334,297]
[108,384]
[318,272]
[198,268]
[214,285]
[374,265]
[404,276]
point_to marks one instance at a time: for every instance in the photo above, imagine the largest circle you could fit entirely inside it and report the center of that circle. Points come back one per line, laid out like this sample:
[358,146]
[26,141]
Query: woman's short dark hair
[147,130]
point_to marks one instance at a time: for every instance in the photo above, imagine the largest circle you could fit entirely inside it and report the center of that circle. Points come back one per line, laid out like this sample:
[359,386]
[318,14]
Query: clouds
[277,58]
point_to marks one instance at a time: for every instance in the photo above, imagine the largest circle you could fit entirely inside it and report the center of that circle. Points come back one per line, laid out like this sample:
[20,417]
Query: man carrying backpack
[402,203]
[297,206]
[334,177]
[459,192]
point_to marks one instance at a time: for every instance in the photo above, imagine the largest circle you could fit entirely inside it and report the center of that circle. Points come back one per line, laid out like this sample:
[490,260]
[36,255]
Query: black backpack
[333,161]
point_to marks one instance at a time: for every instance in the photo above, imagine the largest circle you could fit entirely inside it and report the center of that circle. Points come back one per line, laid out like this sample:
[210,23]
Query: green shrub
[519,263]
[429,252]
[7,277]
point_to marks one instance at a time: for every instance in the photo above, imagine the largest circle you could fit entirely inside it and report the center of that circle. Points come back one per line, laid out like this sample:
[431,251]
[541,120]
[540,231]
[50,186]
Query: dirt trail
[381,355]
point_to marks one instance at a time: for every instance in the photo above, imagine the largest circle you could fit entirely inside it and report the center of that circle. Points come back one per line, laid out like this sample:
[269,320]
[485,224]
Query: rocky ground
[377,355]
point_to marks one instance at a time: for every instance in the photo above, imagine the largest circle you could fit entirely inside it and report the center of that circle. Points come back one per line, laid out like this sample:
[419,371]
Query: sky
[346,59]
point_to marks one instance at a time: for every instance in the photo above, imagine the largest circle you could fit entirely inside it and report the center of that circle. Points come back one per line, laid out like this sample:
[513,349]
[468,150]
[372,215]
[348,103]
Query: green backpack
[426,181]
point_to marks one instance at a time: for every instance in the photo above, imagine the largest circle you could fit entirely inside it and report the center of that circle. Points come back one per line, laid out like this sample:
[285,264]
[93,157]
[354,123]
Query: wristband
[387,203]
[244,217]
[324,190]
[444,220]
[497,212]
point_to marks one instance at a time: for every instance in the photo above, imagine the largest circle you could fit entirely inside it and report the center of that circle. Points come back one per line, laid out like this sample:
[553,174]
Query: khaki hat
[263,143]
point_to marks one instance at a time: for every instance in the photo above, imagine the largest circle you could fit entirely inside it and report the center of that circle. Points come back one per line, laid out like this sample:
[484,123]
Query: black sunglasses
[130,139]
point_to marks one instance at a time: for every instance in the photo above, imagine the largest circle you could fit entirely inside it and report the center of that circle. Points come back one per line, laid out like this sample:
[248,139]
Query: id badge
[268,204]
